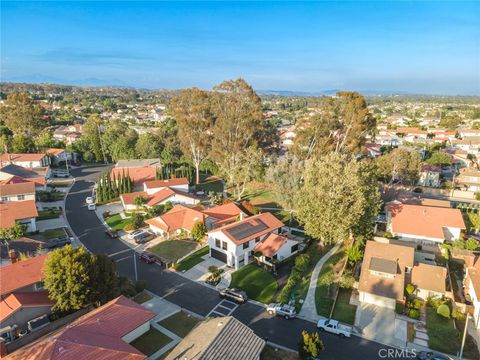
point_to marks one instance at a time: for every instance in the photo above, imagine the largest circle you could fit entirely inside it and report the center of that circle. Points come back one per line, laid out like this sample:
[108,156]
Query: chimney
[10,159]
[3,348]
[13,256]
[241,215]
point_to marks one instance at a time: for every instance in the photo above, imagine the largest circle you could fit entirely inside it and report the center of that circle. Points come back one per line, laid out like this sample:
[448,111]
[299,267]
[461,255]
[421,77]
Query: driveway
[200,271]
[43,225]
[380,324]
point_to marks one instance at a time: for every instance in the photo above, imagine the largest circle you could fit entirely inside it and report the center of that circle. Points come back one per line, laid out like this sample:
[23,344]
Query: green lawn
[260,195]
[150,342]
[192,260]
[53,233]
[343,311]
[117,223]
[323,300]
[180,323]
[173,249]
[259,284]
[210,183]
[142,297]
[271,353]
[442,336]
[49,214]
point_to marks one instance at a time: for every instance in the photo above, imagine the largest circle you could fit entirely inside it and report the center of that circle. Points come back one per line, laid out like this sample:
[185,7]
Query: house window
[274,257]
[257,240]
[217,243]
[20,197]
[4,198]
[294,248]
[224,245]
[245,245]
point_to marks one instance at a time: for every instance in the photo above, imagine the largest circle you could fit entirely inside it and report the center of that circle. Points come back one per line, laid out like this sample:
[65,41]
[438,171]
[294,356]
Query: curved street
[191,295]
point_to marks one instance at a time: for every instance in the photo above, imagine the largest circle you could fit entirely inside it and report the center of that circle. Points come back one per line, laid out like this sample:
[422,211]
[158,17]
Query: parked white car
[91,206]
[334,327]
[135,233]
[89,200]
[287,311]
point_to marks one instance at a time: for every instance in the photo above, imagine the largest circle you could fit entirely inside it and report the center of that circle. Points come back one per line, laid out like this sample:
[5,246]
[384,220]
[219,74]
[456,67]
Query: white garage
[377,300]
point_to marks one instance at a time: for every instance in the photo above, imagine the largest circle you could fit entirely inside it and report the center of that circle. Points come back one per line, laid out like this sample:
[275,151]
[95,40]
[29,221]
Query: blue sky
[417,47]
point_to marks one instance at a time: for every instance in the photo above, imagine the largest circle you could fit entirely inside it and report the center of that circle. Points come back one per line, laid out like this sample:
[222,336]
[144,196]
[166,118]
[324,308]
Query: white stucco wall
[15,197]
[150,191]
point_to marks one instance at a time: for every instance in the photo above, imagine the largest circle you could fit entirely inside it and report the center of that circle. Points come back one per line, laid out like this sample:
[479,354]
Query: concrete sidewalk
[309,308]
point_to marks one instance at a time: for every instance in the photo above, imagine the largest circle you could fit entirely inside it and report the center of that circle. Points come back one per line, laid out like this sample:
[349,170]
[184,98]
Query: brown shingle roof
[429,277]
[10,212]
[14,302]
[21,274]
[219,338]
[391,287]
[21,157]
[17,188]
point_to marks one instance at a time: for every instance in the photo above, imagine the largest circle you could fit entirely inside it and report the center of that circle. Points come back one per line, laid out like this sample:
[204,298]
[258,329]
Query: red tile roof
[16,301]
[138,175]
[21,157]
[271,244]
[10,212]
[265,223]
[129,198]
[180,217]
[18,188]
[54,152]
[427,221]
[224,212]
[94,336]
[165,183]
[166,193]
[21,274]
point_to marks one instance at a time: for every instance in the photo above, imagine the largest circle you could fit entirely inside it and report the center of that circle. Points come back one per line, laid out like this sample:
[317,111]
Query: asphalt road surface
[193,296]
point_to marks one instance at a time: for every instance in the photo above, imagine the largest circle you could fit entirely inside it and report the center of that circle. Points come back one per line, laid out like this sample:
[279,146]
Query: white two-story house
[17,191]
[235,244]
[180,184]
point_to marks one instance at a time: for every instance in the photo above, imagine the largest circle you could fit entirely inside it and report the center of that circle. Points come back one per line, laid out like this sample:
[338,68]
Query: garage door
[218,255]
[377,300]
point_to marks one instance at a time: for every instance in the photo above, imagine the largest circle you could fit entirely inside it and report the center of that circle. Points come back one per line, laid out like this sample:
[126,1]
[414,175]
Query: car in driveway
[235,295]
[143,237]
[285,310]
[134,233]
[112,233]
[430,355]
[89,200]
[58,242]
[148,257]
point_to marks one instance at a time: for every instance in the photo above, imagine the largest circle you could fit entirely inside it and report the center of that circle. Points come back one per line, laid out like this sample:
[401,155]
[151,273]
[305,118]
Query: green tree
[92,139]
[354,254]
[301,262]
[285,177]
[400,164]
[310,345]
[238,122]
[76,279]
[444,310]
[23,144]
[137,220]
[440,158]
[149,146]
[192,111]
[335,197]
[140,201]
[22,115]
[199,230]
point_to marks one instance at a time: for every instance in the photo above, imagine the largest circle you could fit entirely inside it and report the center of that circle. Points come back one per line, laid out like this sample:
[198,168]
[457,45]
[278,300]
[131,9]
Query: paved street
[187,293]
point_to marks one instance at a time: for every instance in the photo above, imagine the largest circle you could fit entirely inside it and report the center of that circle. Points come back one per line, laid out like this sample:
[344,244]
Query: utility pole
[135,264]
[464,335]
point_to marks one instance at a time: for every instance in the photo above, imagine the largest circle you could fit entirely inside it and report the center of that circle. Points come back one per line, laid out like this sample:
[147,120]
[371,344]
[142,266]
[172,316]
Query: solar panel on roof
[242,231]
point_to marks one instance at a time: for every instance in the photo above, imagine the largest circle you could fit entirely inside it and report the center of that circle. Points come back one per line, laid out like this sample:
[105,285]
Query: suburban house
[180,184]
[219,338]
[17,191]
[427,225]
[430,176]
[59,156]
[178,219]
[29,161]
[22,295]
[222,215]
[23,212]
[468,179]
[160,197]
[235,244]
[429,280]
[384,271]
[468,132]
[470,144]
[103,333]
[15,173]
[68,134]
[472,288]
[138,174]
